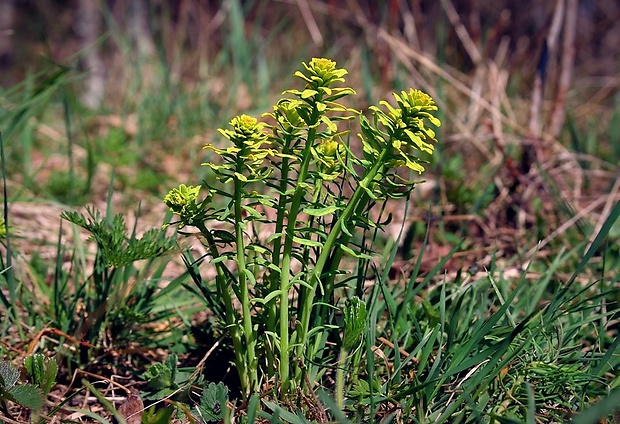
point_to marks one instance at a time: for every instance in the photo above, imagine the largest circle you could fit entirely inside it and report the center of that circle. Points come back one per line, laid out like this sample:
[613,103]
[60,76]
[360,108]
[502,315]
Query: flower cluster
[329,155]
[405,127]
[315,109]
[247,152]
[318,94]
[406,124]
[288,129]
[286,113]
[322,74]
[182,201]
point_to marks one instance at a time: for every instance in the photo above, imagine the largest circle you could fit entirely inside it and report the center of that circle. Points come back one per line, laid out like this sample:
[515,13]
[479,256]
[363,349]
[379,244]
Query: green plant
[213,401]
[42,372]
[321,199]
[30,396]
[355,323]
[165,381]
[108,296]
[162,377]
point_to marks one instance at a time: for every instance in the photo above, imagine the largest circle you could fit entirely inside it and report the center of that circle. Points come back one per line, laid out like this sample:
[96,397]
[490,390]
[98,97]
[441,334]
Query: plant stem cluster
[320,197]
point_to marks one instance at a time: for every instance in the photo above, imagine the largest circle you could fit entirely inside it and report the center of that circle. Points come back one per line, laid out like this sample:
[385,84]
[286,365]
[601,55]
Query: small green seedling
[212,407]
[42,371]
[162,378]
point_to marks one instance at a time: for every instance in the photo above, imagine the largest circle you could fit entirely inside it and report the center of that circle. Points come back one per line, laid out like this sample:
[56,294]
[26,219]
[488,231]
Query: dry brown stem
[548,53]
[461,32]
[313,28]
[566,69]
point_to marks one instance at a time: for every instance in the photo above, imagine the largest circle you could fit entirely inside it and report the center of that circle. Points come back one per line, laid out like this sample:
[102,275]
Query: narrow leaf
[321,211]
[354,253]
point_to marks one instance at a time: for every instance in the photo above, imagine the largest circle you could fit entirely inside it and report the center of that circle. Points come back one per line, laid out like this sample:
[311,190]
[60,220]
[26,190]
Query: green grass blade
[605,363]
[594,247]
[69,132]
[9,275]
[105,402]
[600,410]
[597,242]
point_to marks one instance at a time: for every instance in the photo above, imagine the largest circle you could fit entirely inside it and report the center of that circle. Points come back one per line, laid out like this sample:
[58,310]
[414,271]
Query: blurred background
[188,35]
[527,91]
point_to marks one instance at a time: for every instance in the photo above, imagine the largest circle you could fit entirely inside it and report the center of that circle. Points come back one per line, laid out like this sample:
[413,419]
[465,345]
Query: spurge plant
[299,179]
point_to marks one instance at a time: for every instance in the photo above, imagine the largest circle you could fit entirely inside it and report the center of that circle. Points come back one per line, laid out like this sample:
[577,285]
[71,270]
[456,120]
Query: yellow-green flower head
[413,106]
[182,201]
[406,123]
[322,73]
[328,148]
[180,197]
[246,130]
[322,66]
[328,155]
[406,128]
[247,136]
[287,115]
[247,152]
[417,98]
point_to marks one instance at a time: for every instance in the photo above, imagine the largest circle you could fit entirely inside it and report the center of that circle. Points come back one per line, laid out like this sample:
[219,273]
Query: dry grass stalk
[461,32]
[310,22]
[566,69]
[548,52]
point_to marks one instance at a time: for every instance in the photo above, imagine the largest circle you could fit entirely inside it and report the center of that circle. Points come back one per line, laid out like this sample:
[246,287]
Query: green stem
[250,339]
[285,273]
[277,243]
[272,314]
[329,245]
[333,264]
[340,379]
[334,260]
[231,320]
[306,256]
